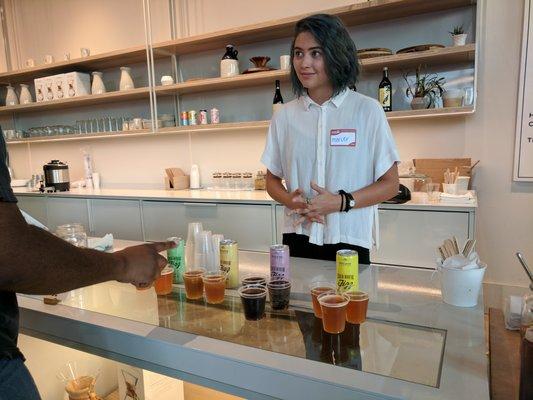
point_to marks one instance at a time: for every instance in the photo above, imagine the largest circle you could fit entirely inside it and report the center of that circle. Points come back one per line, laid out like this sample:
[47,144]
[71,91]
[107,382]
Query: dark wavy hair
[341,62]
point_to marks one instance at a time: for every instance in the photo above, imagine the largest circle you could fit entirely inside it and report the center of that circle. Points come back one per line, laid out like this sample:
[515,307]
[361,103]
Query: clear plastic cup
[433,190]
[318,288]
[279,291]
[203,251]
[194,284]
[357,306]
[253,299]
[193,229]
[254,279]
[163,284]
[214,286]
[333,307]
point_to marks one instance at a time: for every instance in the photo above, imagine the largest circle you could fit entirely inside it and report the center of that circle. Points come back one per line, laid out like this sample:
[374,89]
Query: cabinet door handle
[200,204]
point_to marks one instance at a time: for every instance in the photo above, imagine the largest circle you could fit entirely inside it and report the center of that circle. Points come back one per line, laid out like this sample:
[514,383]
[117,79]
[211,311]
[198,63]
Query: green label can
[176,258]
[229,261]
[347,270]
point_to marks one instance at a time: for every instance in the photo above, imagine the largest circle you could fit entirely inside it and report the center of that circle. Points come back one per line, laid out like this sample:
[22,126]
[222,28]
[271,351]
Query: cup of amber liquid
[318,288]
[194,284]
[333,307]
[214,286]
[253,299]
[163,284]
[357,306]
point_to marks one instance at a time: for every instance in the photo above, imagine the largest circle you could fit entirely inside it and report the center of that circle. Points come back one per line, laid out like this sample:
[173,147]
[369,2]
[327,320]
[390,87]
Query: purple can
[203,117]
[279,262]
[215,116]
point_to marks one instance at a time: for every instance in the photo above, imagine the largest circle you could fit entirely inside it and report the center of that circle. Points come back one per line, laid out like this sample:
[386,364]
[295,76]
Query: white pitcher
[98,86]
[25,95]
[11,97]
[126,83]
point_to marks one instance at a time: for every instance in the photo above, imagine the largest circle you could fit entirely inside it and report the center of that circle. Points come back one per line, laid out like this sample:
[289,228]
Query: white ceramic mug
[48,59]
[167,80]
[66,57]
[85,52]
[285,61]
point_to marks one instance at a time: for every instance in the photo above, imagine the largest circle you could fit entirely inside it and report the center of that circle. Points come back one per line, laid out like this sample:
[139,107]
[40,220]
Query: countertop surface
[408,322]
[419,199]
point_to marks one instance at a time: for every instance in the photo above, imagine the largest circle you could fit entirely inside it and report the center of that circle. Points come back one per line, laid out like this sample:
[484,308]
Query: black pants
[300,247]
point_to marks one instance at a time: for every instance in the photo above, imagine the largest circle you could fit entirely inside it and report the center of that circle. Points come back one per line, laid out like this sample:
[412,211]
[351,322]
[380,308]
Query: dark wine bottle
[385,91]
[278,100]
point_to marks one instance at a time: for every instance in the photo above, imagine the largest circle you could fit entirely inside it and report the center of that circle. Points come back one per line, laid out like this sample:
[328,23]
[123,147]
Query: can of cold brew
[347,270]
[279,262]
[229,261]
[176,258]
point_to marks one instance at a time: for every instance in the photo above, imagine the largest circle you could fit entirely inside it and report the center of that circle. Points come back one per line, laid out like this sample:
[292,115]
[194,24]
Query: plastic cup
[214,287]
[194,285]
[254,279]
[433,192]
[333,311]
[318,288]
[279,291]
[163,284]
[357,307]
[253,298]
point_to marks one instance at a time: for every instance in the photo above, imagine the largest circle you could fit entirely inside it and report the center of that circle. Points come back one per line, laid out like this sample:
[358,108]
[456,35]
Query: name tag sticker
[342,137]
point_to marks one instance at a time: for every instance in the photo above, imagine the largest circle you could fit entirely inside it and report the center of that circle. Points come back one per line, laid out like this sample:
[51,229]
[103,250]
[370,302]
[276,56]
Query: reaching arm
[277,191]
[34,261]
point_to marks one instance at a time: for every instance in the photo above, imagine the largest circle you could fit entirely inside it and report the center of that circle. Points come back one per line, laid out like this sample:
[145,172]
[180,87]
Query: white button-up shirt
[345,143]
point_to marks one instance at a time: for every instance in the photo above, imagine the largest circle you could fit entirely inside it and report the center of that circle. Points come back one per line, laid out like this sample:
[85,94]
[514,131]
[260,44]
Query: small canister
[184,118]
[215,116]
[192,117]
[347,270]
[203,117]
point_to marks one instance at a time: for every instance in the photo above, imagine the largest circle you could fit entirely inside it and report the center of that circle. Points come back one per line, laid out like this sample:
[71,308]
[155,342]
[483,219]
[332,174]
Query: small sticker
[342,137]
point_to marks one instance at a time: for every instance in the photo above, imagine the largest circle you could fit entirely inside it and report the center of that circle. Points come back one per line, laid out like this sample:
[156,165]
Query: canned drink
[215,116]
[347,270]
[176,258]
[203,117]
[184,118]
[192,117]
[229,261]
[279,261]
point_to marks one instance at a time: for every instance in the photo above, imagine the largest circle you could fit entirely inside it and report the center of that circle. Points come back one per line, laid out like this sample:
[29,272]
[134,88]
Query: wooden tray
[373,52]
[258,69]
[421,47]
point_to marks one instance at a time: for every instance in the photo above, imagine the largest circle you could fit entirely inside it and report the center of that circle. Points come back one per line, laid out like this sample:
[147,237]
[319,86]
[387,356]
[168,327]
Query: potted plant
[424,89]
[458,36]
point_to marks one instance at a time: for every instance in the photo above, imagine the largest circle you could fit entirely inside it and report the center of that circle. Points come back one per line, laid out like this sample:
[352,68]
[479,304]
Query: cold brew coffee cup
[254,279]
[357,307]
[279,291]
[333,307]
[253,298]
[214,286]
[318,288]
[194,285]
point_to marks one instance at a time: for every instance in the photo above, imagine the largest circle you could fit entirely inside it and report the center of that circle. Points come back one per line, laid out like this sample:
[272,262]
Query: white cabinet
[35,206]
[122,218]
[248,224]
[411,237]
[66,210]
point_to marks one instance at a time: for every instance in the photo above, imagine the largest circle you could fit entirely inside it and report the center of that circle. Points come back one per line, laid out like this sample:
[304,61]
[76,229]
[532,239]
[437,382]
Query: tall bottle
[385,91]
[278,100]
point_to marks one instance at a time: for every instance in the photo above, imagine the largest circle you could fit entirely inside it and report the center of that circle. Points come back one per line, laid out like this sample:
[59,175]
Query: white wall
[505,215]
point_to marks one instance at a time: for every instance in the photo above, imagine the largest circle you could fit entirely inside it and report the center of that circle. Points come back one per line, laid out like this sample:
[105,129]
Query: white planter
[126,83]
[11,97]
[459,40]
[98,86]
[229,67]
[25,95]
[419,103]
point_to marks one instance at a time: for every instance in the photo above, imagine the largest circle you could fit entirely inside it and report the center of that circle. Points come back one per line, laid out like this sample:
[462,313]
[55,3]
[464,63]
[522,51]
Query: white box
[58,86]
[136,383]
[77,84]
[39,89]
[48,84]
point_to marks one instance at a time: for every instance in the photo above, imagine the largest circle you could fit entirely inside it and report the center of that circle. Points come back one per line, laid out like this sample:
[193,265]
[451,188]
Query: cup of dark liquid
[253,298]
[254,279]
[279,291]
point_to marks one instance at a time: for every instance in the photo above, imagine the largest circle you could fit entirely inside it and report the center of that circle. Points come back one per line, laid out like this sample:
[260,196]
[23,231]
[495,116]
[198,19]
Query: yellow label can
[229,261]
[347,270]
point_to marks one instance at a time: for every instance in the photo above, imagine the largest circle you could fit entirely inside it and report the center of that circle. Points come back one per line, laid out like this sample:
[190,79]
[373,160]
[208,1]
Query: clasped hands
[313,209]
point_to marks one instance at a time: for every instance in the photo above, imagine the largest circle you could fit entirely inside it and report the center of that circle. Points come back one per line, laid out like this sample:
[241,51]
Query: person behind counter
[33,261]
[332,145]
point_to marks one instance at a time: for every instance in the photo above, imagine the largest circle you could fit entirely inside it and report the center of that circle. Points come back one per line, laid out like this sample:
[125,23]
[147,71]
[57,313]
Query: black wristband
[343,201]
[347,198]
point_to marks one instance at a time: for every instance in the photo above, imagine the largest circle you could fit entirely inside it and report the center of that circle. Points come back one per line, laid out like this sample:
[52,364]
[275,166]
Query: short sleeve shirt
[9,316]
[345,143]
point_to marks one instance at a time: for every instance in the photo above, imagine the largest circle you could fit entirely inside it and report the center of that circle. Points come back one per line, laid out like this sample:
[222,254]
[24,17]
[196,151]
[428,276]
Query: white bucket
[461,287]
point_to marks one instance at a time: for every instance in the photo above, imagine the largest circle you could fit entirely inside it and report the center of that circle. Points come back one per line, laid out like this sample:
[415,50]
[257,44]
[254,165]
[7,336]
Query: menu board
[523,165]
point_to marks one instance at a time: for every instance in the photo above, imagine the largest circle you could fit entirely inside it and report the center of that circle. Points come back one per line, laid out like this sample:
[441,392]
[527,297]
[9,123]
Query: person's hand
[296,200]
[141,265]
[325,202]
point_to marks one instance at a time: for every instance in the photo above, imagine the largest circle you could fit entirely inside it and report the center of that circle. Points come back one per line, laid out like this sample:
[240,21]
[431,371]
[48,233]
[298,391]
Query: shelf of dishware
[439,56]
[355,14]
[234,126]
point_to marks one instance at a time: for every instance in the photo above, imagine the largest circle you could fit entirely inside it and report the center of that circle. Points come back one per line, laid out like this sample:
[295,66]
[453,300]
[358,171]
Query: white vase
[126,83]
[11,97]
[25,95]
[98,86]
[459,40]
